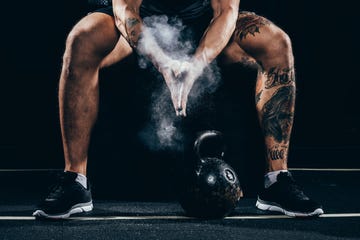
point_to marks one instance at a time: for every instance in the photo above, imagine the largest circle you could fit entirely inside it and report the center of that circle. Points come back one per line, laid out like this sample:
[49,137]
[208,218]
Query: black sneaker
[287,197]
[67,197]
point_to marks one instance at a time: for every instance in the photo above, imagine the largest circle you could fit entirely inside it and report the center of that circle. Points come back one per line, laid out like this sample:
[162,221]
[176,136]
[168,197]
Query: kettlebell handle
[207,135]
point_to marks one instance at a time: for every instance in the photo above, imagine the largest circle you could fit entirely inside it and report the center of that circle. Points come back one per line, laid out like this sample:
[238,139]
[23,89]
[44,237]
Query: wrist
[165,63]
[198,63]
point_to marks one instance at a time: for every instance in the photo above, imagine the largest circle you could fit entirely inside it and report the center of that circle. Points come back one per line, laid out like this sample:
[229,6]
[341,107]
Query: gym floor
[336,189]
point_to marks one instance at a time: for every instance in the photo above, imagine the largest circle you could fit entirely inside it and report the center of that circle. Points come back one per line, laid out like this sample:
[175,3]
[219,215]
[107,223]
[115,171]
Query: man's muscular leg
[257,41]
[91,44]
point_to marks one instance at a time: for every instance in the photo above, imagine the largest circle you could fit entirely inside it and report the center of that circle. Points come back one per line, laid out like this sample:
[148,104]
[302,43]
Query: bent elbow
[231,12]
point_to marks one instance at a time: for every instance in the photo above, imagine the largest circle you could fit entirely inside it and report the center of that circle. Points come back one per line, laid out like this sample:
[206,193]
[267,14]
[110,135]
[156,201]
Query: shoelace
[292,186]
[55,192]
[57,189]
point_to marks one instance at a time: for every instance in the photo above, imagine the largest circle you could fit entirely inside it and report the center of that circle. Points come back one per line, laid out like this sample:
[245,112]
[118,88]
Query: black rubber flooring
[338,191]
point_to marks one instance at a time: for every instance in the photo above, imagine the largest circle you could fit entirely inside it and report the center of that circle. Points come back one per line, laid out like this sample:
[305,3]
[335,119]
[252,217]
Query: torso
[184,9]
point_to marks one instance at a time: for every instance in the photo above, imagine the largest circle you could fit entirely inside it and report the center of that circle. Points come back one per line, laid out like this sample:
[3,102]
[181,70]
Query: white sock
[271,177]
[81,179]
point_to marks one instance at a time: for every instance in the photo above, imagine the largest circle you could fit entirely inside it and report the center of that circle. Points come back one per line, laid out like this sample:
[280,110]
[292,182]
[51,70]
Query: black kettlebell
[211,189]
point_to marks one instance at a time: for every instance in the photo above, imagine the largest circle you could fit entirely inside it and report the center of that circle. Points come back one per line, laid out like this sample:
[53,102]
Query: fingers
[176,94]
[181,112]
[180,77]
[179,98]
[176,87]
[182,98]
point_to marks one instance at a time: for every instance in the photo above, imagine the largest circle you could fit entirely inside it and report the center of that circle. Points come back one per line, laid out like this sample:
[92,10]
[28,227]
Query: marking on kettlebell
[211,179]
[229,175]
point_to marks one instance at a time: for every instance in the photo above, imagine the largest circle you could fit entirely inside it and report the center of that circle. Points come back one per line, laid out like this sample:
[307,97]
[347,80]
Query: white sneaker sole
[274,208]
[78,208]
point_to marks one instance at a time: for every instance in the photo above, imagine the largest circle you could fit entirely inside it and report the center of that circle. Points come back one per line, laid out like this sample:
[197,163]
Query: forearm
[216,36]
[130,24]
[128,20]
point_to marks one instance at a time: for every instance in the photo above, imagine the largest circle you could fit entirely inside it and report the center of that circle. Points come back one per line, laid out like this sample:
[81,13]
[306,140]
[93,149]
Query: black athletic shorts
[197,25]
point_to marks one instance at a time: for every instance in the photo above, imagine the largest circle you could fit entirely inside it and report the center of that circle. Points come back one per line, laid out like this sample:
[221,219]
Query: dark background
[326,128]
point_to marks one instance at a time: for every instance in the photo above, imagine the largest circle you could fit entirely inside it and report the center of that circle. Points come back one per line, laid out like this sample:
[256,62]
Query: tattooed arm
[130,25]
[128,20]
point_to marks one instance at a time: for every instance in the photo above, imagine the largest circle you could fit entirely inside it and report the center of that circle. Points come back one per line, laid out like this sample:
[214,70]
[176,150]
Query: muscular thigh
[254,38]
[121,49]
[96,36]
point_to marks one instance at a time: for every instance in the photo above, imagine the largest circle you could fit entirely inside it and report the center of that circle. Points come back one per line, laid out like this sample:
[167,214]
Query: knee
[282,43]
[275,49]
[80,60]
[261,38]
[79,42]
[80,56]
